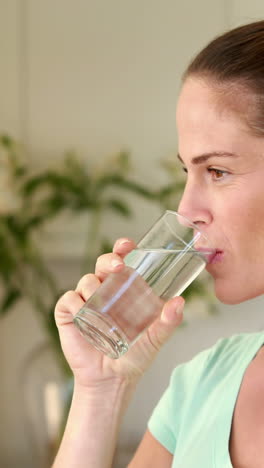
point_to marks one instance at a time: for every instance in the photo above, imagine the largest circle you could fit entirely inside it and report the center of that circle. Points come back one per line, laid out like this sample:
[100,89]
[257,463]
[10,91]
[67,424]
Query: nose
[195,205]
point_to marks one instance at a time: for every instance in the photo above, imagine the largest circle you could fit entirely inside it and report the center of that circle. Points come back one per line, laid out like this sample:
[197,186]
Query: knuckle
[101,259]
[88,285]
[88,278]
[67,297]
[104,261]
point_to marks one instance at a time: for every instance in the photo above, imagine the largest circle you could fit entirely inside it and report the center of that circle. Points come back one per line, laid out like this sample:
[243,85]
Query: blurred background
[87,154]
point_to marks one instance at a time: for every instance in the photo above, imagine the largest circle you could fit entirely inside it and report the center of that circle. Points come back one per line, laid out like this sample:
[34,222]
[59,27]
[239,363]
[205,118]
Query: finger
[67,306]
[108,263]
[171,317]
[87,286]
[123,246]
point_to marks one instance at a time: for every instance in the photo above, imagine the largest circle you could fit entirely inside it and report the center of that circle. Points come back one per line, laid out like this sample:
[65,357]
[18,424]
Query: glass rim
[191,224]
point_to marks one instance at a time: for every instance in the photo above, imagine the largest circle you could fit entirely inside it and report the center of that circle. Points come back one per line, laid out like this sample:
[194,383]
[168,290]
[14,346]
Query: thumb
[173,311]
[171,317]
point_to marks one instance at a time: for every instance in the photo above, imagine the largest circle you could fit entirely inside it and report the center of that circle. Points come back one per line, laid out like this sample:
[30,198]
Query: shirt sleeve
[165,421]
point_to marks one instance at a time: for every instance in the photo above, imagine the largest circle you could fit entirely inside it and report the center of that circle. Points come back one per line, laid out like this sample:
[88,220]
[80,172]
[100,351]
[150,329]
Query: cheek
[242,205]
[247,229]
[227,214]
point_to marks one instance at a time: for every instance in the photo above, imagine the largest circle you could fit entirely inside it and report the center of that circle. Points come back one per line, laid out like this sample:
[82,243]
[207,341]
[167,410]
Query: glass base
[101,332]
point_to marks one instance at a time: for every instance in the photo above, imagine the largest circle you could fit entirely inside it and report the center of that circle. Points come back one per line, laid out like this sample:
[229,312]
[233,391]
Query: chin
[232,295]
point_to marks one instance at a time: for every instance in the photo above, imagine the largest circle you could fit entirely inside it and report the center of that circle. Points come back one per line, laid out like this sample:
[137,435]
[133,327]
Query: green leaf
[6,141]
[171,189]
[106,246]
[20,171]
[116,180]
[8,266]
[11,297]
[197,288]
[120,207]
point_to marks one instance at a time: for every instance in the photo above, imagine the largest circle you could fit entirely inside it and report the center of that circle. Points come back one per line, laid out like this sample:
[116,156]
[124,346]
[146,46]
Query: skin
[224,196]
[228,206]
[102,386]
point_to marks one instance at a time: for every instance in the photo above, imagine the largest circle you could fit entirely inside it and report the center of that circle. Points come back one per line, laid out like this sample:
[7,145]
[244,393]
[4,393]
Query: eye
[217,174]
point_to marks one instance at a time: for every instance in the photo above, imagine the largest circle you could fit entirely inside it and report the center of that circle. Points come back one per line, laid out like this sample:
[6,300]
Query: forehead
[205,121]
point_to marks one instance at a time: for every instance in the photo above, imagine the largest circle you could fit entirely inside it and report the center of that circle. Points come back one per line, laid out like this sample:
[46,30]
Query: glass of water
[167,259]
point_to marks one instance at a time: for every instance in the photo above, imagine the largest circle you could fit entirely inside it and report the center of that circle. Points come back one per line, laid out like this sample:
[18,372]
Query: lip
[207,253]
[216,257]
[211,255]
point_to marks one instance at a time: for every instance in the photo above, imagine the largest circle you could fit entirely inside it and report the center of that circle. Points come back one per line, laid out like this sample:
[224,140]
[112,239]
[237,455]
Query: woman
[212,414]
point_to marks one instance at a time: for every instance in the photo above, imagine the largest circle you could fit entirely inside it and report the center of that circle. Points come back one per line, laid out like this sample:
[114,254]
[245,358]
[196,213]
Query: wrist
[104,393]
[93,422]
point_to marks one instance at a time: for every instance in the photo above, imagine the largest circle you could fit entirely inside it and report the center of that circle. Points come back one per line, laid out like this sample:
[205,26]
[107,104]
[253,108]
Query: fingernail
[116,263]
[124,241]
[180,309]
[170,313]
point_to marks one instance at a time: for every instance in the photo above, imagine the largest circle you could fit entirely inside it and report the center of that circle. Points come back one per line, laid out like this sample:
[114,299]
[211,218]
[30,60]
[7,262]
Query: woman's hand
[90,367]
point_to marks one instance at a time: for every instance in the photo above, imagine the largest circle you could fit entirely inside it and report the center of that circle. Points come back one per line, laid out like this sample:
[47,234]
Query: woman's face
[224,192]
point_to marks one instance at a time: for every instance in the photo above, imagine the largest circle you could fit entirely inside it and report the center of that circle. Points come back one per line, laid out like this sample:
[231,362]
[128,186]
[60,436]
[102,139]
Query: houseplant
[32,199]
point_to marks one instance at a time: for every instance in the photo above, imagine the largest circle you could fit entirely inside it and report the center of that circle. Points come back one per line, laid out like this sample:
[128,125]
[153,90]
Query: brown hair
[234,62]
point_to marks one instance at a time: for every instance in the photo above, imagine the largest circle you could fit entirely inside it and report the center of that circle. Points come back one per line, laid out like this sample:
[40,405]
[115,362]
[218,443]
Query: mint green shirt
[194,416]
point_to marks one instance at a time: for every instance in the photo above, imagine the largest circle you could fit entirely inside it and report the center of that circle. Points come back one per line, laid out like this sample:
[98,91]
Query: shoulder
[211,358]
[191,383]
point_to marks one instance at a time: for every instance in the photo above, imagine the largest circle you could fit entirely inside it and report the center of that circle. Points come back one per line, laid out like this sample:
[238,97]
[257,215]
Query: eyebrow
[205,156]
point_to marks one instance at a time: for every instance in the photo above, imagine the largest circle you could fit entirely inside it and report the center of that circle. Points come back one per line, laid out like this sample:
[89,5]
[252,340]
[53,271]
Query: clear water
[133,299]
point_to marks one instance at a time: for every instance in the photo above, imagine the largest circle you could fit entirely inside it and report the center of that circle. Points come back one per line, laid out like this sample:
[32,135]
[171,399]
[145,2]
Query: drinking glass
[166,260]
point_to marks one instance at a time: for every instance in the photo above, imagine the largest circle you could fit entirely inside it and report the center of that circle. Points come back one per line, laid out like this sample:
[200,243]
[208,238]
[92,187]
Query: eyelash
[211,170]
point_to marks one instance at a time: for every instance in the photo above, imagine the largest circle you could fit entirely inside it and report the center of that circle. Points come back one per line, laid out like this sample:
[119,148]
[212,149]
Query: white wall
[98,76]
[10,89]
[245,11]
